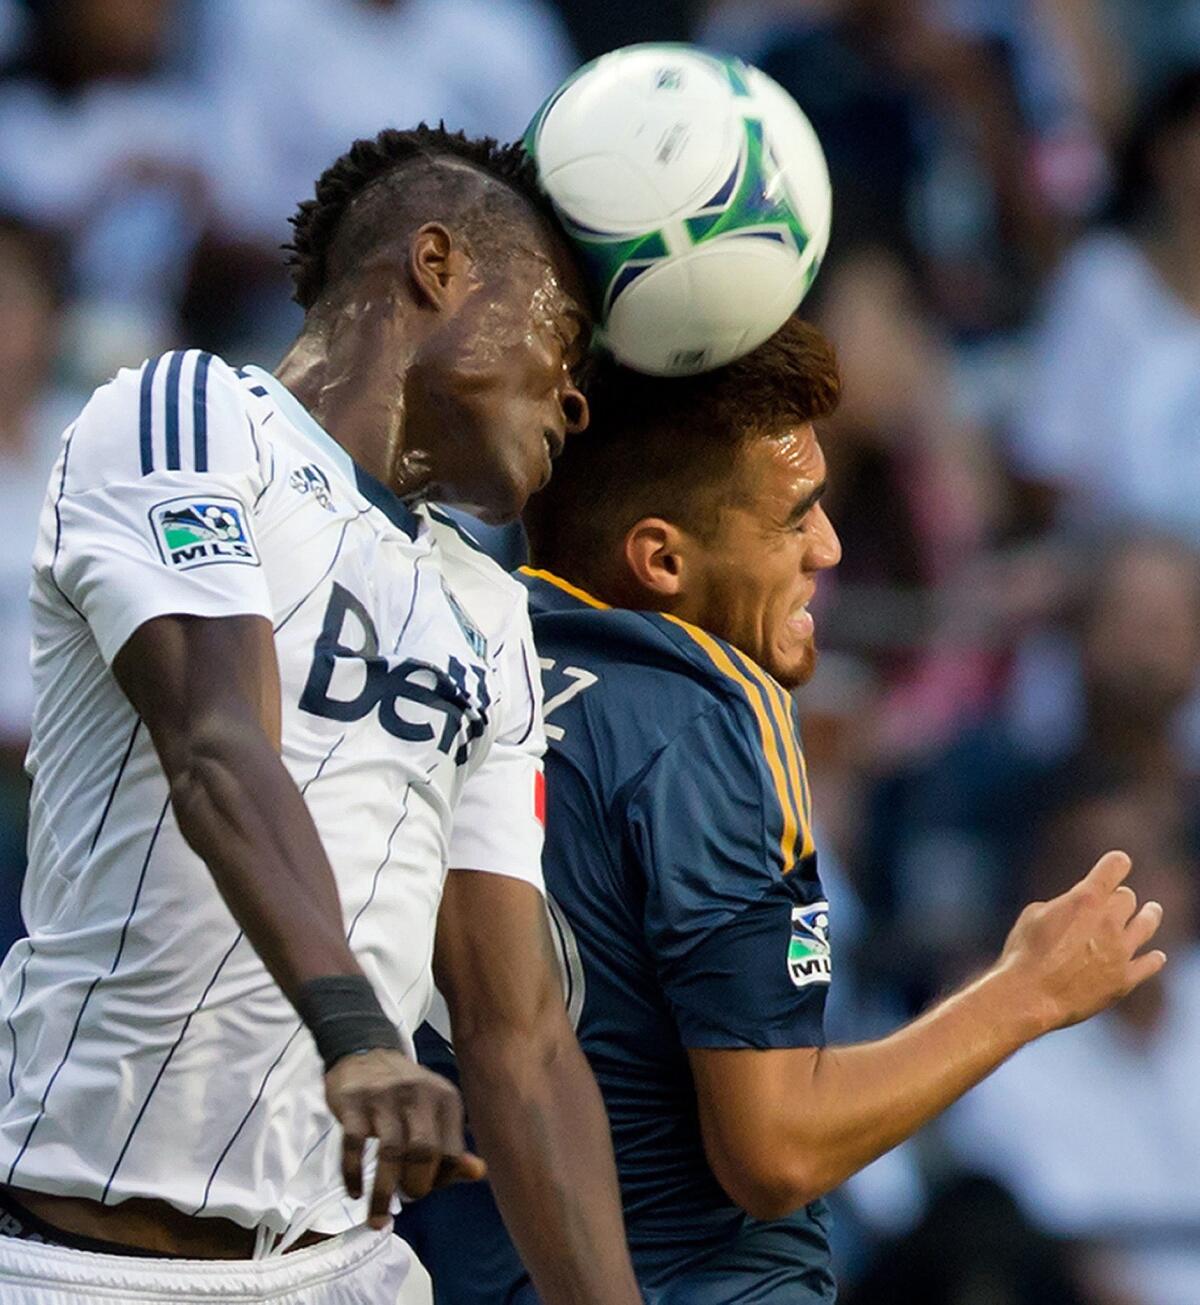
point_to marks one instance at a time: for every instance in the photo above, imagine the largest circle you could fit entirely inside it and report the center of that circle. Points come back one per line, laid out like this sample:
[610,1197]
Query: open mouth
[801,622]
[554,442]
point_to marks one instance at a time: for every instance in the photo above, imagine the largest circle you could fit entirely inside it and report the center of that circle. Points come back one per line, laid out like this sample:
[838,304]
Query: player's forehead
[784,464]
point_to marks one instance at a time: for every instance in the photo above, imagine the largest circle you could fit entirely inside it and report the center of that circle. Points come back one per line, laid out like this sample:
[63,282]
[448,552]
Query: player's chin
[529,472]
[504,497]
[795,666]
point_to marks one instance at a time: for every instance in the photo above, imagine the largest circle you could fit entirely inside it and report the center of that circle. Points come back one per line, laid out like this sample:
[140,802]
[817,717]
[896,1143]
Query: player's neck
[370,429]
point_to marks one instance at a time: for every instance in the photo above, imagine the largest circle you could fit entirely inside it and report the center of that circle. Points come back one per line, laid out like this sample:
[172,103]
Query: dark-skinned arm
[208,691]
[782,1127]
[533,1103]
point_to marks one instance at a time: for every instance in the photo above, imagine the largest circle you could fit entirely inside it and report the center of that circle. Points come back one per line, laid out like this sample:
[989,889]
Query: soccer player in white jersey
[281,706]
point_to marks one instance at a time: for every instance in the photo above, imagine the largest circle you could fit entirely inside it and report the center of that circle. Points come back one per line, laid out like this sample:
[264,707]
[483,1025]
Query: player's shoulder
[640,693]
[493,596]
[182,411]
[646,649]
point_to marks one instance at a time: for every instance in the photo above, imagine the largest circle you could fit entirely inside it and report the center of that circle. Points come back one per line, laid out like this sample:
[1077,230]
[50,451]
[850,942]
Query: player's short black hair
[320,224]
[667,447]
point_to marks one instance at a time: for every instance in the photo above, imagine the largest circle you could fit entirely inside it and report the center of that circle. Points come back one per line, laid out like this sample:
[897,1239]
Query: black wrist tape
[343,1014]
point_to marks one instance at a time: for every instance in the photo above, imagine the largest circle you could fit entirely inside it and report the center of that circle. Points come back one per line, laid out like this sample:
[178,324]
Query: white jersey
[144,1049]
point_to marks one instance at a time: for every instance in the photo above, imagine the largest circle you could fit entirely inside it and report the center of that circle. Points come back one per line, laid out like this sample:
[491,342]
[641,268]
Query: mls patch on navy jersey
[809,958]
[193,532]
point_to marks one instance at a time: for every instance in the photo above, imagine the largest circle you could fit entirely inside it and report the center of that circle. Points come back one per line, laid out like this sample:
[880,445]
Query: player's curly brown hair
[366,169]
[667,447]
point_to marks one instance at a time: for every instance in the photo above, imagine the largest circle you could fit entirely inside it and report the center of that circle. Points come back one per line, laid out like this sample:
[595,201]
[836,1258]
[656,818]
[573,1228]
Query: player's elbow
[767,1186]
[531,1037]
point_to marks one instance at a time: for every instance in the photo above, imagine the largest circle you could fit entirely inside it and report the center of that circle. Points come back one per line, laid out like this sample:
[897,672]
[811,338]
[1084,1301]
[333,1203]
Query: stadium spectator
[98,133]
[952,834]
[914,488]
[33,412]
[1098,1136]
[1109,424]
[485,65]
[927,144]
[973,1246]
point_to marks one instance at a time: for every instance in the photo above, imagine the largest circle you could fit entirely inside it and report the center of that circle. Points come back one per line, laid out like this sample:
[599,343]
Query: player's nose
[826,548]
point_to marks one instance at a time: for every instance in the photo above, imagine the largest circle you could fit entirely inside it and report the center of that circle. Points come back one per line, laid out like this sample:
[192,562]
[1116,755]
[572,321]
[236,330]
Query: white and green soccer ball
[697,194]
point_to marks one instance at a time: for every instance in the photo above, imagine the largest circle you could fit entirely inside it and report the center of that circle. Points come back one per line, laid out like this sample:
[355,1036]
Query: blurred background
[1012,644]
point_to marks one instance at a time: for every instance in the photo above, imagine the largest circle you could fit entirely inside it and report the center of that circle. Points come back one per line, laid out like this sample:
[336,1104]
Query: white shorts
[361,1267]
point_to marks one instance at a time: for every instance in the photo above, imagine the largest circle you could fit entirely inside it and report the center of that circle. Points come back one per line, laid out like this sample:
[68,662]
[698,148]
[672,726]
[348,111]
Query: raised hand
[1080,952]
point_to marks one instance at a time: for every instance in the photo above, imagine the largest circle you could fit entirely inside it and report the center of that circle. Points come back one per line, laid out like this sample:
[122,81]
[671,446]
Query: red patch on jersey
[539,797]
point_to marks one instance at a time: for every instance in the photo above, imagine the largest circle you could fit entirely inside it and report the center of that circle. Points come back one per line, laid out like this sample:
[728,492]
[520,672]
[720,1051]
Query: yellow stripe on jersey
[792,822]
[565,585]
[781,709]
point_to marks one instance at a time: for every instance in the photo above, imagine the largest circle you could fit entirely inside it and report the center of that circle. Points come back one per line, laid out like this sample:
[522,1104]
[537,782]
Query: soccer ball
[697,194]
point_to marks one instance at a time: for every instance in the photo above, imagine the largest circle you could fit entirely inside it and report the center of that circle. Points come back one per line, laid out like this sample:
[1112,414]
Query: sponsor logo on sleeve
[193,532]
[809,959]
[312,481]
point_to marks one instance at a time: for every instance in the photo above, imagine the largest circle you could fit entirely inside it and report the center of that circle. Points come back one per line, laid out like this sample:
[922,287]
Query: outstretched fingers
[1109,872]
[1125,903]
[1143,926]
[1145,967]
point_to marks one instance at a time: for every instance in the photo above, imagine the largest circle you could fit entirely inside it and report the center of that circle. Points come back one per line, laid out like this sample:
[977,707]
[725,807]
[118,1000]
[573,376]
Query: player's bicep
[493,958]
[740,944]
[744,1098]
[192,679]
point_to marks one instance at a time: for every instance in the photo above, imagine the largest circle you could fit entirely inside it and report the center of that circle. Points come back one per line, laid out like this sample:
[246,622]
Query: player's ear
[655,553]
[442,271]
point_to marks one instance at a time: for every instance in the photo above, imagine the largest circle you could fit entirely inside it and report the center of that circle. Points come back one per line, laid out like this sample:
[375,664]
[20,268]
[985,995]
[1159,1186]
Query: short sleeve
[500,818]
[154,500]
[742,948]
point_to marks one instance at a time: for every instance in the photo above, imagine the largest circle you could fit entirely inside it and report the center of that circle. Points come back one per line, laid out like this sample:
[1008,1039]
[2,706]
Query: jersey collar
[553,593]
[374,491]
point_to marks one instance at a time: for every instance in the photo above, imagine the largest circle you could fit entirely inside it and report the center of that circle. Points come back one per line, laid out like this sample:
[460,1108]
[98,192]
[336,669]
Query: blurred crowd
[1009,683]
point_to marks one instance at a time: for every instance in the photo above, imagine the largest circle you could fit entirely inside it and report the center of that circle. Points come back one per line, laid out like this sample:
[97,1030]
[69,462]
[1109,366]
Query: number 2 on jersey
[577,680]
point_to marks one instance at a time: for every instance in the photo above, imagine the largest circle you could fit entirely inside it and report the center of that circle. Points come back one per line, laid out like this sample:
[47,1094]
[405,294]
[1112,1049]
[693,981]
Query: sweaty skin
[463,396]
[524,332]
[754,578]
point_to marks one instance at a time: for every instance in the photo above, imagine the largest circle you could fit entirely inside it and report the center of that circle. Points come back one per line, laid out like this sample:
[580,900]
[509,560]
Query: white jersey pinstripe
[144,1050]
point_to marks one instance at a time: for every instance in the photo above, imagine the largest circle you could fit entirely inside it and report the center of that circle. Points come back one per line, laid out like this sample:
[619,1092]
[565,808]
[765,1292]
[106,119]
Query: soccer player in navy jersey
[675,557]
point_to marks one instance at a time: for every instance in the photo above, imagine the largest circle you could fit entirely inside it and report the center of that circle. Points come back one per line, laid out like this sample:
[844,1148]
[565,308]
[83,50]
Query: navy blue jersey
[680,861]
